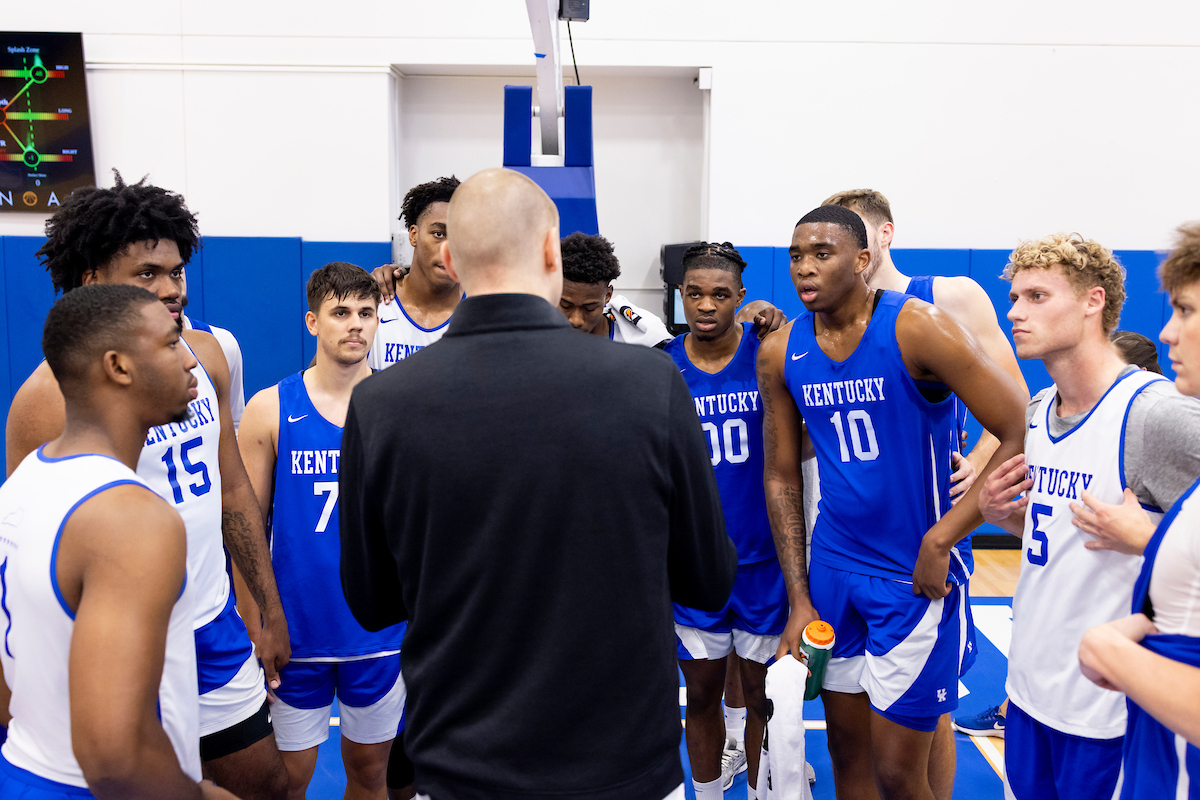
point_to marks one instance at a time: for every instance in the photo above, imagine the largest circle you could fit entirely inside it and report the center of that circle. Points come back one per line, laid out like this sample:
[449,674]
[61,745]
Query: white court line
[991,753]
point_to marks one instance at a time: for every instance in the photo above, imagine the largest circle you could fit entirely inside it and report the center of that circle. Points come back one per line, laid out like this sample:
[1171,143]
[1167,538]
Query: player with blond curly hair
[1108,433]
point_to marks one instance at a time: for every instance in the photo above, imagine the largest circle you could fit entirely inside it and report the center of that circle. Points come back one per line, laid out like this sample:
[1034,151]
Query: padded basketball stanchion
[572,186]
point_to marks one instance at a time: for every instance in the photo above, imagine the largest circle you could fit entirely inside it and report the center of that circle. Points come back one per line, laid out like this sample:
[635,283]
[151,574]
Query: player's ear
[310,321]
[90,278]
[608,294]
[862,262]
[448,263]
[117,367]
[412,235]
[1096,298]
[741,295]
[886,232]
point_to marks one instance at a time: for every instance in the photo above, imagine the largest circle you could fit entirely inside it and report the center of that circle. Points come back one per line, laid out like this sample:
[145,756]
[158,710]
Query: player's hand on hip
[996,500]
[1123,527]
[274,648]
[963,476]
[768,320]
[790,639]
[386,277]
[933,564]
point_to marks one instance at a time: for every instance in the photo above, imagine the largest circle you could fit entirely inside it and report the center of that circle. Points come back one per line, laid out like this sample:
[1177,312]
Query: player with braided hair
[425,295]
[143,235]
[717,359]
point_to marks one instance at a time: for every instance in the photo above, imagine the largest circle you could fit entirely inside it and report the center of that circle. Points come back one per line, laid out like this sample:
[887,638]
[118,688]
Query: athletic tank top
[180,463]
[398,337]
[730,412]
[921,287]
[1064,588]
[37,623]
[305,540]
[882,449]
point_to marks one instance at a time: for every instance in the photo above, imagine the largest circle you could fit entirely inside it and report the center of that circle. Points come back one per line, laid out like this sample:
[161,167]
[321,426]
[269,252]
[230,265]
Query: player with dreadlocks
[717,358]
[142,235]
[425,295]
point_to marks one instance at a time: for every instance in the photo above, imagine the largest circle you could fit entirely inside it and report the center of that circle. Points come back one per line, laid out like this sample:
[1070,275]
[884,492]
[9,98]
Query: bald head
[505,231]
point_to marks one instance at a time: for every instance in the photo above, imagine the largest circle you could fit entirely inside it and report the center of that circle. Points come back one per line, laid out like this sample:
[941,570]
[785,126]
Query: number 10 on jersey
[861,432]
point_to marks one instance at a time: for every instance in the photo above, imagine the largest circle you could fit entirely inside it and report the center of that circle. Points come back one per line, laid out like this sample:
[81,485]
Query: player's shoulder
[109,512]
[262,412]
[207,349]
[774,345]
[1167,410]
[958,293]
[40,386]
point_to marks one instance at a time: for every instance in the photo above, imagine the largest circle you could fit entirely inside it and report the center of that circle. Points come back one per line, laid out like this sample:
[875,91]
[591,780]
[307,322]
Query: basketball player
[426,295]
[870,372]
[1102,427]
[1162,677]
[233,357]
[967,302]
[98,646]
[143,235]
[291,444]
[717,360]
[589,268]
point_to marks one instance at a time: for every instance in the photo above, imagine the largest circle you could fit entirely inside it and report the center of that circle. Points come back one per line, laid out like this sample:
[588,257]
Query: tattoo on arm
[787,527]
[784,502]
[248,550]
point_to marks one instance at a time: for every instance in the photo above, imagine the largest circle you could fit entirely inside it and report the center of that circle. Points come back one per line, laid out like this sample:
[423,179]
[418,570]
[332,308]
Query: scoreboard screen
[45,136]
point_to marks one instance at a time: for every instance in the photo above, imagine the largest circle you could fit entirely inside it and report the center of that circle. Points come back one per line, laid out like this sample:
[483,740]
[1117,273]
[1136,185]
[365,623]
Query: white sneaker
[733,761]
[810,773]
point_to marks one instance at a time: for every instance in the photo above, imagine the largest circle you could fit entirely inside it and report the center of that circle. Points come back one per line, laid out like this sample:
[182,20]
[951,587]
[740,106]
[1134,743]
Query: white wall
[983,123]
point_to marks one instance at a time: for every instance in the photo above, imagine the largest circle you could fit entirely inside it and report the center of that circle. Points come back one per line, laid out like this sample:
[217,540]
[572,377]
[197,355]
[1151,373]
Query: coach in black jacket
[531,499]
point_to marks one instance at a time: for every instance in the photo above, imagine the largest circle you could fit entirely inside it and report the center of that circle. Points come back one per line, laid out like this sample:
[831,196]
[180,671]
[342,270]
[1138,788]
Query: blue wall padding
[577,126]
[518,126]
[314,255]
[194,275]
[758,277]
[29,297]
[1141,282]
[786,298]
[6,388]
[573,190]
[243,283]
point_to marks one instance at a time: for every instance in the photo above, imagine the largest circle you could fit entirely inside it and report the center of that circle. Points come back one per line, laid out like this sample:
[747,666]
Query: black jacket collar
[491,313]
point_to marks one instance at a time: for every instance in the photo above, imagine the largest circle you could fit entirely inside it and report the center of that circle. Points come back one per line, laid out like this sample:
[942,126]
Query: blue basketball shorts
[903,650]
[230,678]
[370,693]
[1045,764]
[750,622]
[24,785]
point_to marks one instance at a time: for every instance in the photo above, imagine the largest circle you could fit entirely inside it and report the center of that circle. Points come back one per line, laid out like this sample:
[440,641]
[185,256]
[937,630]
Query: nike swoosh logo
[797,358]
[386,321]
[1033,425]
[297,419]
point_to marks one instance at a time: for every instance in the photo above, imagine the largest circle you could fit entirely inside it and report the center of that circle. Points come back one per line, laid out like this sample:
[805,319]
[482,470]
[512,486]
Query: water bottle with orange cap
[817,644]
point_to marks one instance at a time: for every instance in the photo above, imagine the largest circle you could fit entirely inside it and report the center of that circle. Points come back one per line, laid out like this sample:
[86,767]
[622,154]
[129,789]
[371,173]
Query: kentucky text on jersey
[315,462]
[861,390]
[1059,482]
[727,403]
[200,412]
[399,352]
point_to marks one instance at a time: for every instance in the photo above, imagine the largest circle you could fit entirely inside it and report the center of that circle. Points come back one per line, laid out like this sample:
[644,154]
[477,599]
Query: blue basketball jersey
[921,287]
[730,412]
[305,540]
[883,449]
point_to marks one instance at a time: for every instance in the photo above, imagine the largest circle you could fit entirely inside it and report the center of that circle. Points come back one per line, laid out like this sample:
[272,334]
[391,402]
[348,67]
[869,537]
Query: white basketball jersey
[1064,588]
[180,463]
[398,337]
[35,504]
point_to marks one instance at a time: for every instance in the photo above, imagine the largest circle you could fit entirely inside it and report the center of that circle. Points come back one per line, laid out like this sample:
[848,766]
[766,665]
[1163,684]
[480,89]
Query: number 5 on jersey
[320,488]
